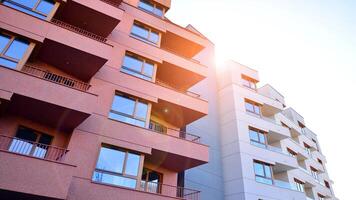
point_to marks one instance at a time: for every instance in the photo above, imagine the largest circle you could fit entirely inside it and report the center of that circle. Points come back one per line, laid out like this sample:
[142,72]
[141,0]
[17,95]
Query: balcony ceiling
[176,76]
[86,18]
[172,161]
[176,115]
[58,117]
[72,61]
[180,45]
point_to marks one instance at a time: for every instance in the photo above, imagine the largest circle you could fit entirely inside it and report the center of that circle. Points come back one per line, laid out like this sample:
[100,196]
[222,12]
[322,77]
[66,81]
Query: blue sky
[306,50]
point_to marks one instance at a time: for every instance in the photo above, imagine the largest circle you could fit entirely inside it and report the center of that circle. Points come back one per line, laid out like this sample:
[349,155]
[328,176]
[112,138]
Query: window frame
[150,30]
[254,105]
[159,183]
[33,9]
[292,153]
[314,173]
[260,133]
[252,83]
[117,174]
[8,45]
[154,6]
[136,100]
[264,171]
[141,73]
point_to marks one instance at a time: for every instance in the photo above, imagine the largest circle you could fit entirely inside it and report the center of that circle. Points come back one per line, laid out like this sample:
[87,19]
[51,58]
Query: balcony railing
[55,78]
[79,30]
[285,185]
[159,128]
[33,149]
[113,3]
[168,190]
[167,85]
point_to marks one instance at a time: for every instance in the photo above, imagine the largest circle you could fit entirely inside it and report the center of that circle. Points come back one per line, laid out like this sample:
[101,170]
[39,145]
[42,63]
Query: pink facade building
[94,100]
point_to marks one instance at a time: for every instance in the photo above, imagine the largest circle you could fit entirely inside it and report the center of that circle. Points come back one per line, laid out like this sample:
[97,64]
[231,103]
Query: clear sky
[306,49]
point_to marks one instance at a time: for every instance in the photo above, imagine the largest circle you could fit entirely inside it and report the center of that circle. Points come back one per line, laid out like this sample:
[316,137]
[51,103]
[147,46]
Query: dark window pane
[26,134]
[111,160]
[45,6]
[45,139]
[17,49]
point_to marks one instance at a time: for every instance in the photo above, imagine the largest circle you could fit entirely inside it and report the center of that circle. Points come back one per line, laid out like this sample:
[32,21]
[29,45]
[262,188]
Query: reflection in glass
[111,160]
[17,49]
[114,179]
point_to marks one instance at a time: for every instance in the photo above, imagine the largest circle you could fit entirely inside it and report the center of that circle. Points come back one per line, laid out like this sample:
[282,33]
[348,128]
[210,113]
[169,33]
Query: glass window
[252,107]
[138,67]
[4,40]
[132,164]
[36,8]
[12,50]
[129,110]
[263,172]
[17,49]
[45,6]
[117,167]
[248,82]
[258,137]
[151,7]
[145,33]
[106,158]
[151,181]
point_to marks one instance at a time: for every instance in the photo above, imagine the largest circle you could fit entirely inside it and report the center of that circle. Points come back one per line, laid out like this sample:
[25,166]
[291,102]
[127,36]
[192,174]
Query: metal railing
[112,2]
[167,85]
[52,77]
[159,128]
[168,190]
[33,149]
[79,30]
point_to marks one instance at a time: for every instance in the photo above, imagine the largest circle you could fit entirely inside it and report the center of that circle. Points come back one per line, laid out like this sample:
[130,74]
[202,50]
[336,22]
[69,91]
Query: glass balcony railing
[308,198]
[285,185]
[269,147]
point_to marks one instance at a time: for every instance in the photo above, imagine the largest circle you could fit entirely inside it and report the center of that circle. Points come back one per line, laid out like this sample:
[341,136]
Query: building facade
[266,150]
[94,98]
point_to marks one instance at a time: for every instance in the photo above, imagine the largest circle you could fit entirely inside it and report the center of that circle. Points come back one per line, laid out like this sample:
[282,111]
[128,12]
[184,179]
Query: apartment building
[262,149]
[94,98]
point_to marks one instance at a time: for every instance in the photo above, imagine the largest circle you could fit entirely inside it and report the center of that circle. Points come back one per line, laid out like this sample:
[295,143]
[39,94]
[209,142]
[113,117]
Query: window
[327,184]
[258,137]
[117,167]
[252,107]
[292,153]
[151,7]
[145,33]
[30,142]
[299,185]
[37,8]
[307,148]
[321,197]
[12,50]
[319,161]
[263,172]
[151,181]
[248,82]
[138,67]
[314,173]
[129,110]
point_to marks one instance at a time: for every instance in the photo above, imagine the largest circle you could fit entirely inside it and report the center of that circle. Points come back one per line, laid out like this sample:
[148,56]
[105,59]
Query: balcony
[154,126]
[41,162]
[174,150]
[87,189]
[50,99]
[98,17]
